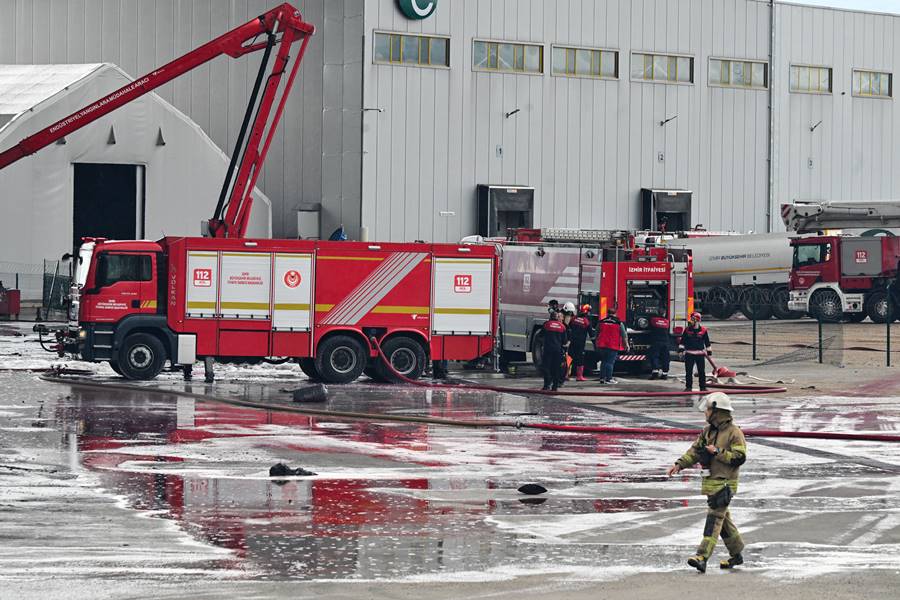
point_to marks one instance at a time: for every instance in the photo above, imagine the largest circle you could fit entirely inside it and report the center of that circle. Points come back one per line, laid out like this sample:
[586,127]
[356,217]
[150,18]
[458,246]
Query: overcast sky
[892,6]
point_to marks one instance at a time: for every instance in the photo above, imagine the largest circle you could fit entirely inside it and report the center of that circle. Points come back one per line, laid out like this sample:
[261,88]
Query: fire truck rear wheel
[825,306]
[756,304]
[141,356]
[537,349]
[407,357]
[780,297]
[373,373]
[877,307]
[341,359]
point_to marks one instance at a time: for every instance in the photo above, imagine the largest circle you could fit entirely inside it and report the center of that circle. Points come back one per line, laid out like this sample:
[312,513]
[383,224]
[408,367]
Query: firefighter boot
[654,374]
[698,562]
[579,374]
[732,562]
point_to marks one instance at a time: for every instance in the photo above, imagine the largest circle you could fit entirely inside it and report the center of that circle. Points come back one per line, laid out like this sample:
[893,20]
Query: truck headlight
[82,334]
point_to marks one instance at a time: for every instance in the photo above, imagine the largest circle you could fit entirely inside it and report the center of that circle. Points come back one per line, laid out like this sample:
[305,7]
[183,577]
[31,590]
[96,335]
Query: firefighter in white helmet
[721,448]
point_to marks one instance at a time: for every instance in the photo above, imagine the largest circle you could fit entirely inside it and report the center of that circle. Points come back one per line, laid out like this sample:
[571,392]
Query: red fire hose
[731,389]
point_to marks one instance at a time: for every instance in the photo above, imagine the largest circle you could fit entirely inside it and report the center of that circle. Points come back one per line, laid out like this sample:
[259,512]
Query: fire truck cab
[601,268]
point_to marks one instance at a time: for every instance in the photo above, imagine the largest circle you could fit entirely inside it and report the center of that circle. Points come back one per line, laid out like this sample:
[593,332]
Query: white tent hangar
[142,172]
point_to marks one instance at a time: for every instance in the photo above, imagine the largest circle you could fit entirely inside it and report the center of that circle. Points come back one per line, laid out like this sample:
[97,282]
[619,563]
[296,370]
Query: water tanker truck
[749,273]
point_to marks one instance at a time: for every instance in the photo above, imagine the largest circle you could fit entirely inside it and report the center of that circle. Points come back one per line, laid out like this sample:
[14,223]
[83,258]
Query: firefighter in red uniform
[579,331]
[611,340]
[693,346]
[659,347]
[555,342]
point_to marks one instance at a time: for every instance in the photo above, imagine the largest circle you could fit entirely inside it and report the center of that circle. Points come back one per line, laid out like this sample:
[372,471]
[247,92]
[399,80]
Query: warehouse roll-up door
[463,292]
[108,202]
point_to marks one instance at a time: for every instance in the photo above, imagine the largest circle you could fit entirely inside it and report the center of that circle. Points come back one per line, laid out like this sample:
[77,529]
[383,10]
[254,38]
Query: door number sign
[462,284]
[202,277]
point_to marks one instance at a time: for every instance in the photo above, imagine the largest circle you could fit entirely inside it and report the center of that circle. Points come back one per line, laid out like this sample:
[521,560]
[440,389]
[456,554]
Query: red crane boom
[282,26]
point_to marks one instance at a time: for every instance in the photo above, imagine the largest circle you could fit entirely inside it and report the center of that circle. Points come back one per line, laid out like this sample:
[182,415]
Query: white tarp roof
[23,87]
[183,169]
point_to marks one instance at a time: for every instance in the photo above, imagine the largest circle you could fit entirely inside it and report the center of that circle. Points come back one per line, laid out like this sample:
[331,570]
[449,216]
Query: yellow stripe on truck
[201,305]
[288,306]
[246,305]
[324,307]
[462,311]
[400,310]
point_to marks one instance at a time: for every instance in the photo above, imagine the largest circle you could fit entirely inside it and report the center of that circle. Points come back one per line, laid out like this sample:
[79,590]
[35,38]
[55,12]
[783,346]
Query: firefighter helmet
[695,316]
[569,308]
[718,400]
[586,308]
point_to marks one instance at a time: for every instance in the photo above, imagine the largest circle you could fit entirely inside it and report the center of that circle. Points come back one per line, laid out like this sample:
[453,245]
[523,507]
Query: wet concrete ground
[112,494]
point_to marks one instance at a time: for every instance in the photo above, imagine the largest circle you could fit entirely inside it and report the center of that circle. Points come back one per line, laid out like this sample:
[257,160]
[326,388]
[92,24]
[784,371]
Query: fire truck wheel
[719,302]
[341,359]
[756,304]
[114,365]
[308,366]
[373,373]
[825,306]
[407,357]
[141,356]
[780,297]
[877,307]
[537,349]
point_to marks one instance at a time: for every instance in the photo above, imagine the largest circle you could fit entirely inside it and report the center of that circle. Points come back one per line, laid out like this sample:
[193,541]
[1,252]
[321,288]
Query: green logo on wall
[418,9]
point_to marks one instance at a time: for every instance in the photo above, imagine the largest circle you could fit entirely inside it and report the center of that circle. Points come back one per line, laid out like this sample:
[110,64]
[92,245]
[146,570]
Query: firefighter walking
[555,342]
[722,449]
[579,331]
[694,347]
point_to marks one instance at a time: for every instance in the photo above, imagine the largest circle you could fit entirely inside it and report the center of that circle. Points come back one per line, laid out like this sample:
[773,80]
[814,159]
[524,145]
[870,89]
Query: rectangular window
[873,84]
[413,50]
[728,72]
[507,57]
[585,62]
[810,80]
[662,67]
[112,268]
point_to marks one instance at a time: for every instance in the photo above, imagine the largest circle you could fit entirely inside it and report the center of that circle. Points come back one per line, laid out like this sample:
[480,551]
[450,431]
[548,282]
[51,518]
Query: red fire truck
[596,267]
[139,304]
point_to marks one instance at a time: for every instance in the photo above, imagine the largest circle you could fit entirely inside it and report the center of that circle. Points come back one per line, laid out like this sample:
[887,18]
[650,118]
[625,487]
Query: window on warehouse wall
[411,50]
[662,68]
[873,84]
[596,63]
[737,73]
[809,79]
[507,57]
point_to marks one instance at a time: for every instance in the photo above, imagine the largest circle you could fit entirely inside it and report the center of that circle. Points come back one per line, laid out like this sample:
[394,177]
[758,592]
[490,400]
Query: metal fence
[754,336]
[56,282]
[25,277]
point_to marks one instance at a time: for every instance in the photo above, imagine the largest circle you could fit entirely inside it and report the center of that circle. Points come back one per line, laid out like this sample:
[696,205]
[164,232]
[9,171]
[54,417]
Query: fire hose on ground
[80,382]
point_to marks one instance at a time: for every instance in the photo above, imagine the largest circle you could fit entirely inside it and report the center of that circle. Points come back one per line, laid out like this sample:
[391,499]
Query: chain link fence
[28,278]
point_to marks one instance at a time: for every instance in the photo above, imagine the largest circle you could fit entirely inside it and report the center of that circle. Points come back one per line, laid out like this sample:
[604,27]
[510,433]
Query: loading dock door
[108,202]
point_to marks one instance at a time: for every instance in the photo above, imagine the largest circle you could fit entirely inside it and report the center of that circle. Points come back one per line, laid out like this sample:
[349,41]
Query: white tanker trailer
[738,272]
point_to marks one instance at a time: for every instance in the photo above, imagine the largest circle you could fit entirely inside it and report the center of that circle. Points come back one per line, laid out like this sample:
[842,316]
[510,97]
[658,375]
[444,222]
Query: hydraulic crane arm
[810,217]
[282,26]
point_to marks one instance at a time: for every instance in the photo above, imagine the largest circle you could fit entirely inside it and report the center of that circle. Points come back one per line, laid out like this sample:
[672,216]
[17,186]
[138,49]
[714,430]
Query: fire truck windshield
[83,263]
[811,254]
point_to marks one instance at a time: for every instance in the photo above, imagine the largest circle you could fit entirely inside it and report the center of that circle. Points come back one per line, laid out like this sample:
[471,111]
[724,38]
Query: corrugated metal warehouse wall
[586,145]
[141,35]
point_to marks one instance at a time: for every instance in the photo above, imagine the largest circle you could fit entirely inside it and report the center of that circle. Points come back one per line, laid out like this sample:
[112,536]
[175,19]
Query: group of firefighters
[566,333]
[721,447]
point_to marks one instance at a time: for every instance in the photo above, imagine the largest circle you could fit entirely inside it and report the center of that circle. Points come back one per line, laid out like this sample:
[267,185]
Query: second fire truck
[601,268]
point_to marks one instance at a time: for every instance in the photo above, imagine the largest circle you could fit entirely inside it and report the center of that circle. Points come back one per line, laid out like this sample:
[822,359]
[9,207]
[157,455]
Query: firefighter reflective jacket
[580,330]
[694,340]
[659,330]
[724,467]
[555,337]
[612,334]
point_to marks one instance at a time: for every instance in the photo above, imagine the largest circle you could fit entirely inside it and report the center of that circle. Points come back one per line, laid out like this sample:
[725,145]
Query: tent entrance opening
[108,202]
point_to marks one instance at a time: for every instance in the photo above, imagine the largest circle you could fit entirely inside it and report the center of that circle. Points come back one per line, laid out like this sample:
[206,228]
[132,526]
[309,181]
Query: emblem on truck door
[292,279]
[862,256]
